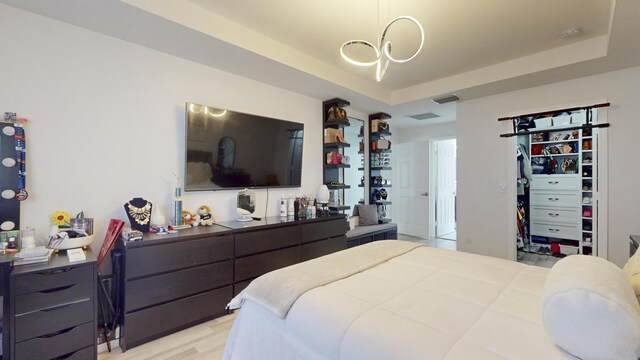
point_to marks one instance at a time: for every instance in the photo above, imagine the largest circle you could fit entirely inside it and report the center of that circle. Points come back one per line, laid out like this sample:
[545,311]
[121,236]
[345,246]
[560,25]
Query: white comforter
[426,304]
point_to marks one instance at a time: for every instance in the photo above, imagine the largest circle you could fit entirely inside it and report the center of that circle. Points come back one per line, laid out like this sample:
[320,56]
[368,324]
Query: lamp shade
[323,194]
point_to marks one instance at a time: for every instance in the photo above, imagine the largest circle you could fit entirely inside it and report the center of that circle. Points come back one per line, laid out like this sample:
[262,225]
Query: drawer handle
[64,331]
[554,215]
[554,230]
[553,199]
[554,182]
[61,288]
[58,271]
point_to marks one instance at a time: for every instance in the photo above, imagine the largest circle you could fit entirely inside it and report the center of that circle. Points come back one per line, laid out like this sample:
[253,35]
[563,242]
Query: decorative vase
[323,194]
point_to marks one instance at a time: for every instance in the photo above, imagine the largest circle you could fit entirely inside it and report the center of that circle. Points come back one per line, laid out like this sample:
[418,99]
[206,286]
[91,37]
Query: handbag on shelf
[336,113]
[383,194]
[378,125]
[383,144]
[569,166]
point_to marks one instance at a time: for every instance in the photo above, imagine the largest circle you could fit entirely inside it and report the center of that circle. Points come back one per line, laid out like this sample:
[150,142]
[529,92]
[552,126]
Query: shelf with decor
[336,145]
[563,190]
[380,163]
[334,120]
[339,186]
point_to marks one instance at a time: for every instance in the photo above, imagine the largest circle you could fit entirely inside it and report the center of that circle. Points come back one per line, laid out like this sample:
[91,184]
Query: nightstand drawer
[555,199]
[65,343]
[556,215]
[52,279]
[555,182]
[53,297]
[47,321]
[556,230]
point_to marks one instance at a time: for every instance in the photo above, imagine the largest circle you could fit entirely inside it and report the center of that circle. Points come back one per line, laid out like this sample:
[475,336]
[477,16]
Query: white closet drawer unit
[555,215]
[555,199]
[555,182]
[564,231]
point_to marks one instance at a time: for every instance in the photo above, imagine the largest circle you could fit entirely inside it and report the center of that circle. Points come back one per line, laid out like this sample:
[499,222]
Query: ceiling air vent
[446,99]
[424,116]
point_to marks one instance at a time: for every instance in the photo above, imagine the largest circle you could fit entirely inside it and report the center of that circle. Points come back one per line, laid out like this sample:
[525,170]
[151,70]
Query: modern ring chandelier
[383,50]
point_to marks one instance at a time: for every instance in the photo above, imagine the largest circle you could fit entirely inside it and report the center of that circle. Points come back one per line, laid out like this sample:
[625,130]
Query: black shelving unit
[334,173]
[377,170]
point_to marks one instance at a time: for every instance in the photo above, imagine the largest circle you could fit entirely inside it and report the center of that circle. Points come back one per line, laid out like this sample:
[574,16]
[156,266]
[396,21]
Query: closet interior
[557,186]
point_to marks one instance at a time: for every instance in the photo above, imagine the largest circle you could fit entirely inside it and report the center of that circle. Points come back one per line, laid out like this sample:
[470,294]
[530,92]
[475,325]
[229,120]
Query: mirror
[246,204]
[353,176]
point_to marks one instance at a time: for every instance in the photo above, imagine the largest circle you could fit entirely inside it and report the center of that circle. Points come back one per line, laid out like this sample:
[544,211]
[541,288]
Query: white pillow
[589,309]
[632,269]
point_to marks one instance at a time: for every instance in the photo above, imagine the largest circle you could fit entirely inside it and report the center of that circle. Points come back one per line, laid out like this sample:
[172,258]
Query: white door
[411,186]
[446,187]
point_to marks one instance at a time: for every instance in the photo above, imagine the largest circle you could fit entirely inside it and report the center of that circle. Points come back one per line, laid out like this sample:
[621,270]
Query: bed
[413,302]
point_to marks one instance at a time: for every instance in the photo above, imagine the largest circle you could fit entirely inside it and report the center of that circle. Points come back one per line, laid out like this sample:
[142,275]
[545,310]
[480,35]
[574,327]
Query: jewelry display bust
[139,212]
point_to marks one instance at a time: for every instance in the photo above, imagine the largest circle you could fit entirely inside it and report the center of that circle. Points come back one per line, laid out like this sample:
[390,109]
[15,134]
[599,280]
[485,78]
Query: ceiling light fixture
[383,50]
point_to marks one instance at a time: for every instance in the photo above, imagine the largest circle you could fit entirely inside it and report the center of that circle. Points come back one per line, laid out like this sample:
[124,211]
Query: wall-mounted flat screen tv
[231,150]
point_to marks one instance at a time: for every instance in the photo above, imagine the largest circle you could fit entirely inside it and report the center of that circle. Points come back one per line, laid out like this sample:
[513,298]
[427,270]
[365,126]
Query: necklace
[141,215]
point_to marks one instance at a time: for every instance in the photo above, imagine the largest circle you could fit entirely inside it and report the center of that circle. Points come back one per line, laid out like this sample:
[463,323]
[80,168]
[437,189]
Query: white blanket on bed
[293,281]
[428,303]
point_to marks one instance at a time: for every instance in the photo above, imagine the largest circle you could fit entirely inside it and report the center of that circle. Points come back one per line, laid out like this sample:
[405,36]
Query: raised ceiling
[473,48]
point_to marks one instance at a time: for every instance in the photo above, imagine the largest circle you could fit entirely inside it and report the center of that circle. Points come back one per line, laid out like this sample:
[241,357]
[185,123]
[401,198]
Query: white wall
[484,159]
[107,120]
[424,133]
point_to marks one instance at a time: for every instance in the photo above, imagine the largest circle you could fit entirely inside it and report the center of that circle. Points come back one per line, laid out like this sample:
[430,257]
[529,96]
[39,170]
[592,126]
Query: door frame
[433,170]
[603,179]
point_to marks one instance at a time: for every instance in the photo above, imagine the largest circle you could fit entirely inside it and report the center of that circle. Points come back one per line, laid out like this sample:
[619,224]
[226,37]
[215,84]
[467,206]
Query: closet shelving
[375,169]
[562,192]
[333,174]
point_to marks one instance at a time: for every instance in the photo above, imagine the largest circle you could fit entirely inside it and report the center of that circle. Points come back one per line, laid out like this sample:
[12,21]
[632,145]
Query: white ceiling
[473,48]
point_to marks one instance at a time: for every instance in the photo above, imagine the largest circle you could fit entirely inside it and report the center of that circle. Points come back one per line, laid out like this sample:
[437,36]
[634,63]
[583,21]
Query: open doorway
[443,180]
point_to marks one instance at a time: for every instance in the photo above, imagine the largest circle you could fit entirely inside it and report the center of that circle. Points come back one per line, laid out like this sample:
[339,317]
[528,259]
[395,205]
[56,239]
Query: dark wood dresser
[52,309]
[170,282]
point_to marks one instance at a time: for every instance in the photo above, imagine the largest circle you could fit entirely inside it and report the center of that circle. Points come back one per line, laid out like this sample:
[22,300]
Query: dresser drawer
[53,297]
[253,266]
[556,215]
[555,182]
[174,285]
[563,231]
[320,248]
[323,230]
[52,279]
[148,324]
[47,321]
[555,199]
[64,343]
[260,241]
[149,260]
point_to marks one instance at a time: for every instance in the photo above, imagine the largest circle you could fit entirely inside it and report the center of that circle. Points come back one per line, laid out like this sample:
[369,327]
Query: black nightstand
[52,309]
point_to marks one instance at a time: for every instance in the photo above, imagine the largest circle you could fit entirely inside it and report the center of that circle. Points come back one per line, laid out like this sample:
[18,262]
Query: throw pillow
[368,215]
[589,309]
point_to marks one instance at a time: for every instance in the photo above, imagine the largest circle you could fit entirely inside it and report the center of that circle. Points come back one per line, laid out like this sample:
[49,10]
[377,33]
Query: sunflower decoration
[60,218]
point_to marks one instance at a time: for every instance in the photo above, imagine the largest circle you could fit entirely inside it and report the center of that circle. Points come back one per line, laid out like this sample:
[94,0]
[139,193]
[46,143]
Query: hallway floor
[439,243]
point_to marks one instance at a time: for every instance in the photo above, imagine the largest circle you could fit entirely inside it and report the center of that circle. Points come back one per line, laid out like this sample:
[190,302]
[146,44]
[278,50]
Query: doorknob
[425,194]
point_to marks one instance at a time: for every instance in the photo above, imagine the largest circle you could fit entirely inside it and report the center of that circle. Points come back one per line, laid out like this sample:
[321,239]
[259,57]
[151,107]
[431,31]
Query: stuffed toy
[188,218]
[204,216]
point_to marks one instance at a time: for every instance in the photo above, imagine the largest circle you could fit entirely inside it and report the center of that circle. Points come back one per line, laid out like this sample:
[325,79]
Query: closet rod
[556,111]
[583,127]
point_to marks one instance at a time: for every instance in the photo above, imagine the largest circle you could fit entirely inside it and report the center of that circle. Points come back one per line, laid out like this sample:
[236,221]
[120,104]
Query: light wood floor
[204,341]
